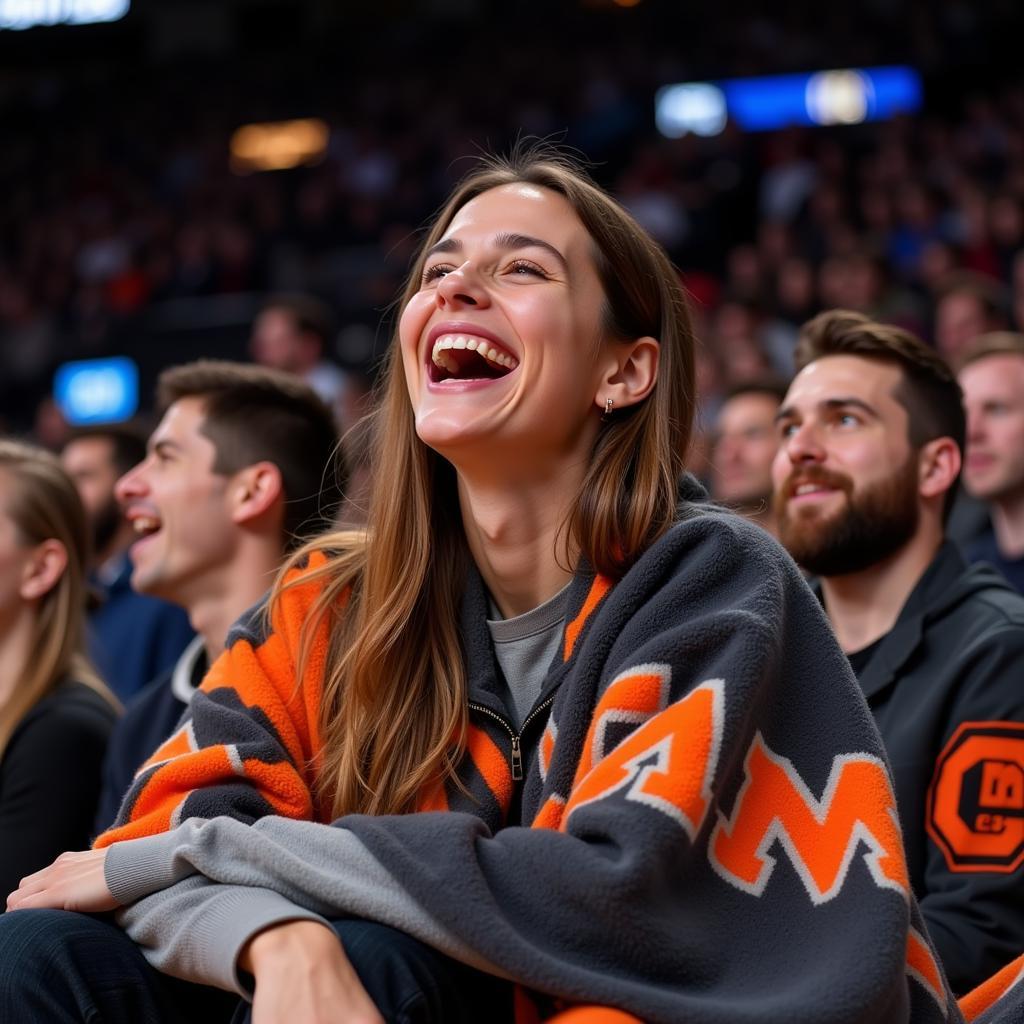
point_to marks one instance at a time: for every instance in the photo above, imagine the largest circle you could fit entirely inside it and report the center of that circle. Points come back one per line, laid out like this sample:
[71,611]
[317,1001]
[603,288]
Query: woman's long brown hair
[43,504]
[394,701]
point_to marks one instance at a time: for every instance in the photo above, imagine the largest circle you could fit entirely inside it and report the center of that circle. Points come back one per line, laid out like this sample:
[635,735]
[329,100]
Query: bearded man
[870,439]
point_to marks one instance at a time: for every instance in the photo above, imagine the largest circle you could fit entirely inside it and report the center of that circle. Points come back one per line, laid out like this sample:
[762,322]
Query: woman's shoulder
[710,533]
[71,712]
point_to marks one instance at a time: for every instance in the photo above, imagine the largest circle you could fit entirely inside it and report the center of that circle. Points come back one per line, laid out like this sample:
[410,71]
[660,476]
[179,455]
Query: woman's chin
[448,432]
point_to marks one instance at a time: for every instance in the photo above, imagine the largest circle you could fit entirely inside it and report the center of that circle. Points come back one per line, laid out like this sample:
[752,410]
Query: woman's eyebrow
[506,240]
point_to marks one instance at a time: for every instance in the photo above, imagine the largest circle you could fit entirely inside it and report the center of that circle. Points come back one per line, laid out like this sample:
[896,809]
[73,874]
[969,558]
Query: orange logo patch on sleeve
[976,799]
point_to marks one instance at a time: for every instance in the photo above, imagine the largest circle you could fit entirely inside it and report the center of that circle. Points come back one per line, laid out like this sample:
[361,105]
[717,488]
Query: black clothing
[986,549]
[859,659]
[50,780]
[956,656]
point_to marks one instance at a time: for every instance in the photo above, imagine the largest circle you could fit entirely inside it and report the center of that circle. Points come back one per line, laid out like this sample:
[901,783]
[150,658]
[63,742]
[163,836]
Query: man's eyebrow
[506,240]
[163,445]
[848,402]
[787,411]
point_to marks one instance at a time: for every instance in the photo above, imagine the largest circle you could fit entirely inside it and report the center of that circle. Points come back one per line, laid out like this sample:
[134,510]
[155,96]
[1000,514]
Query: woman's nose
[461,287]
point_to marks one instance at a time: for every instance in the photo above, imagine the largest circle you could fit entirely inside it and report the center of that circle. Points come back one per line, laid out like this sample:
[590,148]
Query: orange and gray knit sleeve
[247,745]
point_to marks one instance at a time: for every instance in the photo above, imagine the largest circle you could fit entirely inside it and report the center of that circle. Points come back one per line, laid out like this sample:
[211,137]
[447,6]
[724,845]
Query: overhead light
[278,145]
[833,97]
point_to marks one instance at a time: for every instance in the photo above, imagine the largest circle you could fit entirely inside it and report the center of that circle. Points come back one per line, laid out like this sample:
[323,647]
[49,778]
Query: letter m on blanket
[821,837]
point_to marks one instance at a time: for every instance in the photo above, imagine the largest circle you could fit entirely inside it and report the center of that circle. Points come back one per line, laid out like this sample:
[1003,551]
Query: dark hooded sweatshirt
[946,687]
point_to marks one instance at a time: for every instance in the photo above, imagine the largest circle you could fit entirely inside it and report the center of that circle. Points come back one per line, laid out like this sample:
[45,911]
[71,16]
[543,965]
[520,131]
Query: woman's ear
[632,373]
[44,566]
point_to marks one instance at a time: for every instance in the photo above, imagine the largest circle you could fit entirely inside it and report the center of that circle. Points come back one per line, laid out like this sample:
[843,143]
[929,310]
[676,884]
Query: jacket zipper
[516,737]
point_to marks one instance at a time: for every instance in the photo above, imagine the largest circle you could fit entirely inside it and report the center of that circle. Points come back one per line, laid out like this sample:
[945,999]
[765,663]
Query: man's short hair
[995,343]
[255,414]
[928,388]
[767,384]
[311,316]
[127,442]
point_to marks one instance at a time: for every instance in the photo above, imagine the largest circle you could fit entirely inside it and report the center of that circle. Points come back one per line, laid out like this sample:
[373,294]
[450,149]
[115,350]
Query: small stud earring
[608,404]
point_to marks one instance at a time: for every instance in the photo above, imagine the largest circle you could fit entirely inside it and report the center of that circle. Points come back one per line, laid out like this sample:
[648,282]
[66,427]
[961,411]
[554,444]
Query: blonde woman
[55,713]
[541,736]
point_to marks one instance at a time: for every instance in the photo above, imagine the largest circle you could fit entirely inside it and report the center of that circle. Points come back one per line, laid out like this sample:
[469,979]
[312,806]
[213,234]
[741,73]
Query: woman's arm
[249,736]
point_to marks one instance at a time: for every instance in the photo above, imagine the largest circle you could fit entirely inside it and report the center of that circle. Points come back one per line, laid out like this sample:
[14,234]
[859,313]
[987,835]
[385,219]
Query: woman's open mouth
[465,357]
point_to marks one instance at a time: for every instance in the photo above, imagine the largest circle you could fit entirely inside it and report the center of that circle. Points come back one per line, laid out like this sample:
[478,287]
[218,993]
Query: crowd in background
[128,232]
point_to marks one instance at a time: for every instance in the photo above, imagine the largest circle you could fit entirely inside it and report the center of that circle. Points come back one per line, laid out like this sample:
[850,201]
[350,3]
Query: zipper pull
[517,760]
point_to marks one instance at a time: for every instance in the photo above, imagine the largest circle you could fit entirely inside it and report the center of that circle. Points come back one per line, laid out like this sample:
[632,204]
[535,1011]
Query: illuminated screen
[92,391]
[844,96]
[19,14]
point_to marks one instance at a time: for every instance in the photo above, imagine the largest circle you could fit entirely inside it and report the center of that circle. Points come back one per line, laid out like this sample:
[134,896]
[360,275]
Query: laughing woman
[529,740]
[55,714]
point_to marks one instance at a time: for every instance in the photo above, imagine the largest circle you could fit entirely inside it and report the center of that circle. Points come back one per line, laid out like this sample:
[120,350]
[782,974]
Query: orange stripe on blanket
[988,993]
[923,967]
[165,789]
[174,746]
[594,1015]
[598,589]
[434,799]
[280,785]
[550,815]
[492,764]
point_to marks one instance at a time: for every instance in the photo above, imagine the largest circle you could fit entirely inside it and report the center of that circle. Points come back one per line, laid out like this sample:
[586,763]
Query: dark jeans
[57,967]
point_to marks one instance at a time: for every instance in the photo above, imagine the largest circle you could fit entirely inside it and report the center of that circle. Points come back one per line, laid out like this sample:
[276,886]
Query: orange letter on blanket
[668,762]
[820,837]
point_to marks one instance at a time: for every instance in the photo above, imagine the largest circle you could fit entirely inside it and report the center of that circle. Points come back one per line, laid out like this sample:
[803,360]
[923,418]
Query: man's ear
[43,568]
[254,490]
[631,373]
[938,466]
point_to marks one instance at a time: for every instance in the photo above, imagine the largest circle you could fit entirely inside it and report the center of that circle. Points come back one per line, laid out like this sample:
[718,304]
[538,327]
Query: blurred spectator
[750,342]
[291,333]
[55,713]
[992,378]
[744,447]
[240,471]
[872,429]
[132,637]
[971,305]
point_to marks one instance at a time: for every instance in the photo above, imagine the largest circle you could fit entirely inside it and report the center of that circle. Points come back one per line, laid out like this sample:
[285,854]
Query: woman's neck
[16,635]
[517,537]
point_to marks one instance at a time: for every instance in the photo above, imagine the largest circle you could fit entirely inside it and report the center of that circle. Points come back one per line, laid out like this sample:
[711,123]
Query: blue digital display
[842,96]
[91,391]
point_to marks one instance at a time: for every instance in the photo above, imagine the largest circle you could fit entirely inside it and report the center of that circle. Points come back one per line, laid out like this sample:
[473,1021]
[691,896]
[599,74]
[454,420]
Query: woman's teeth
[447,342]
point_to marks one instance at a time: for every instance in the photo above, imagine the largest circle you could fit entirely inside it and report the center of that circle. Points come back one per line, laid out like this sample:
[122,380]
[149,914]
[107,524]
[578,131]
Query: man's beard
[105,524]
[875,522]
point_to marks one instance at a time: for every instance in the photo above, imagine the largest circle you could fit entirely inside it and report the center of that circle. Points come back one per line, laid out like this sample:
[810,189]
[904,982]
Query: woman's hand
[74,881]
[302,974]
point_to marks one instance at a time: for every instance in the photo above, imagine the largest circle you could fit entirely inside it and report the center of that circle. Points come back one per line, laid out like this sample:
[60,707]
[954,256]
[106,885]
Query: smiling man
[871,433]
[132,636]
[238,472]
